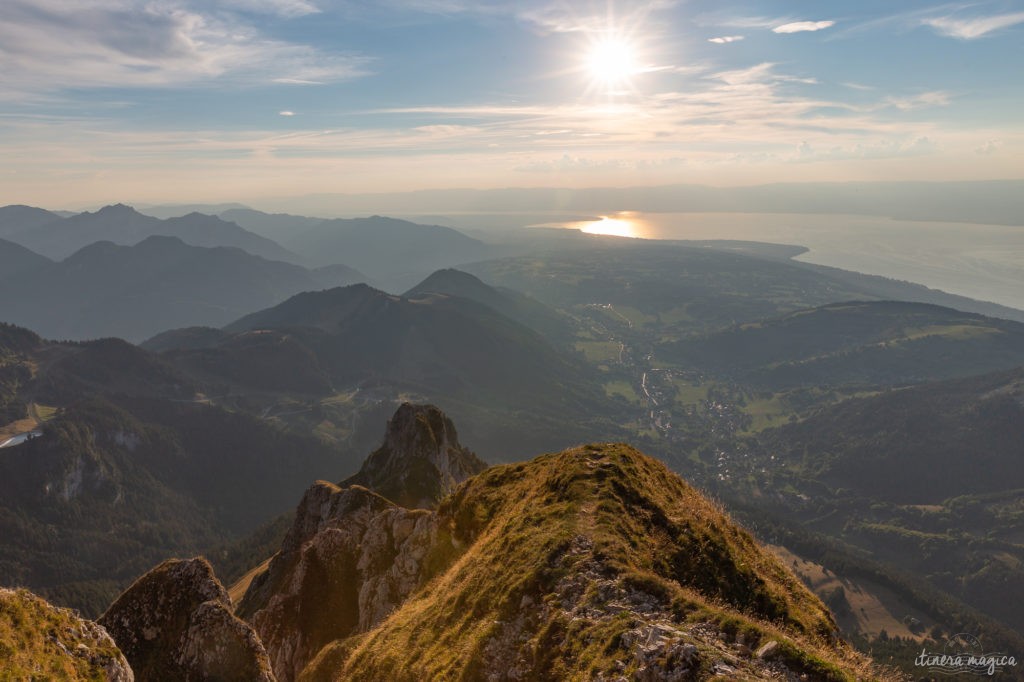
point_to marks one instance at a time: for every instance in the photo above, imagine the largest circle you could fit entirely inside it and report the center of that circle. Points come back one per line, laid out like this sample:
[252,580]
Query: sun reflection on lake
[612,227]
[629,224]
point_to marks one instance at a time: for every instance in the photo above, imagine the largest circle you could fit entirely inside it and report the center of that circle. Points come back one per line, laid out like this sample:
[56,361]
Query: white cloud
[801,26]
[970,28]
[935,98]
[989,148]
[47,45]
[555,17]
[722,40]
[284,8]
[879,149]
[286,113]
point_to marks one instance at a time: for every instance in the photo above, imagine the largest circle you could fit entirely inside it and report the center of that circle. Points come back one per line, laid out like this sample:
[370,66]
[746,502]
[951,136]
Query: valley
[757,378]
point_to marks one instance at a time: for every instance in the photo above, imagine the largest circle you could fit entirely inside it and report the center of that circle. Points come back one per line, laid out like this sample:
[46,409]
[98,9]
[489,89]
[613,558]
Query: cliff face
[41,641]
[420,461]
[176,624]
[350,558]
[352,555]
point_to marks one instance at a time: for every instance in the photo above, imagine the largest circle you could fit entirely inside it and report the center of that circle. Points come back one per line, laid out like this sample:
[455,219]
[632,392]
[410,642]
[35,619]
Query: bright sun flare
[611,62]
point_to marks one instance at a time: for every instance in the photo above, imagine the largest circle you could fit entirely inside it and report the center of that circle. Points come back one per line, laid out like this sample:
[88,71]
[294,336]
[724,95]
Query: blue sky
[194,100]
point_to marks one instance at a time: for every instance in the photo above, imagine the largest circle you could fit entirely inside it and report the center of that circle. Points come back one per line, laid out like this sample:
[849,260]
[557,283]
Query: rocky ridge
[353,555]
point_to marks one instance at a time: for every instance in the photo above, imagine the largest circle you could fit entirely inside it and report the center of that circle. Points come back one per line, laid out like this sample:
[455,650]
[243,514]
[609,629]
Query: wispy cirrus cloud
[971,28]
[934,98]
[803,26]
[48,45]
[724,40]
[283,8]
[560,17]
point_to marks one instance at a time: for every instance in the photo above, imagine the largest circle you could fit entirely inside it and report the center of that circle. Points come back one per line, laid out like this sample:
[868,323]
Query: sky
[158,101]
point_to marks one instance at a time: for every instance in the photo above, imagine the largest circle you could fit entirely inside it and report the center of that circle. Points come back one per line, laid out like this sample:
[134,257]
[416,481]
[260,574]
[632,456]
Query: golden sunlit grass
[516,527]
[39,641]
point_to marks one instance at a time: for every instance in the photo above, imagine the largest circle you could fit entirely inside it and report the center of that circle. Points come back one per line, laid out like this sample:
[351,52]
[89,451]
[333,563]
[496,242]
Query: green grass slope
[860,342]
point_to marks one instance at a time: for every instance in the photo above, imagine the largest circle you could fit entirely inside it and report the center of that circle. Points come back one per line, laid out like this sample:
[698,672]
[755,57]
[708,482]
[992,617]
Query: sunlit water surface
[985,262]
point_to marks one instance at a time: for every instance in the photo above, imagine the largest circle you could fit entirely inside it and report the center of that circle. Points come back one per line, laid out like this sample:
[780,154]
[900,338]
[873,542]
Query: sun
[611,62]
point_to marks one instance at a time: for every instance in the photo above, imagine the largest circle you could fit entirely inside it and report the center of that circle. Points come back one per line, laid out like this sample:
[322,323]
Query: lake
[985,262]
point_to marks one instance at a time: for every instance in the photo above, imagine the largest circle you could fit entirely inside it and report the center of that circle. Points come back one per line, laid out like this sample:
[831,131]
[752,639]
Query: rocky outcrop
[350,558]
[420,461]
[41,641]
[176,623]
[353,555]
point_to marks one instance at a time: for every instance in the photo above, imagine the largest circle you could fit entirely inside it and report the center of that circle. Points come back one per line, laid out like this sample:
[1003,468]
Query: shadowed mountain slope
[442,345]
[527,311]
[122,462]
[872,343]
[16,260]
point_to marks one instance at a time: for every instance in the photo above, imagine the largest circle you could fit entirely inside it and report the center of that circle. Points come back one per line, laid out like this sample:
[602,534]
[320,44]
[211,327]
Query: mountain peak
[421,459]
[447,279]
[116,209]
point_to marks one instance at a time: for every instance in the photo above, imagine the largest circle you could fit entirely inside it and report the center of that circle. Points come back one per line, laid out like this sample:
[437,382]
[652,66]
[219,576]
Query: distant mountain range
[123,225]
[136,291]
[17,218]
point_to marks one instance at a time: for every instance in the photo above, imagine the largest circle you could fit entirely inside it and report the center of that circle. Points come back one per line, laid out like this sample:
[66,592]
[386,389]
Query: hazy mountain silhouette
[124,225]
[16,260]
[136,291]
[393,251]
[17,218]
[277,226]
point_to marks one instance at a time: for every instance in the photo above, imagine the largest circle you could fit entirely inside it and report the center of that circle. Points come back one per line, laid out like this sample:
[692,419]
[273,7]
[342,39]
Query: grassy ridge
[545,541]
